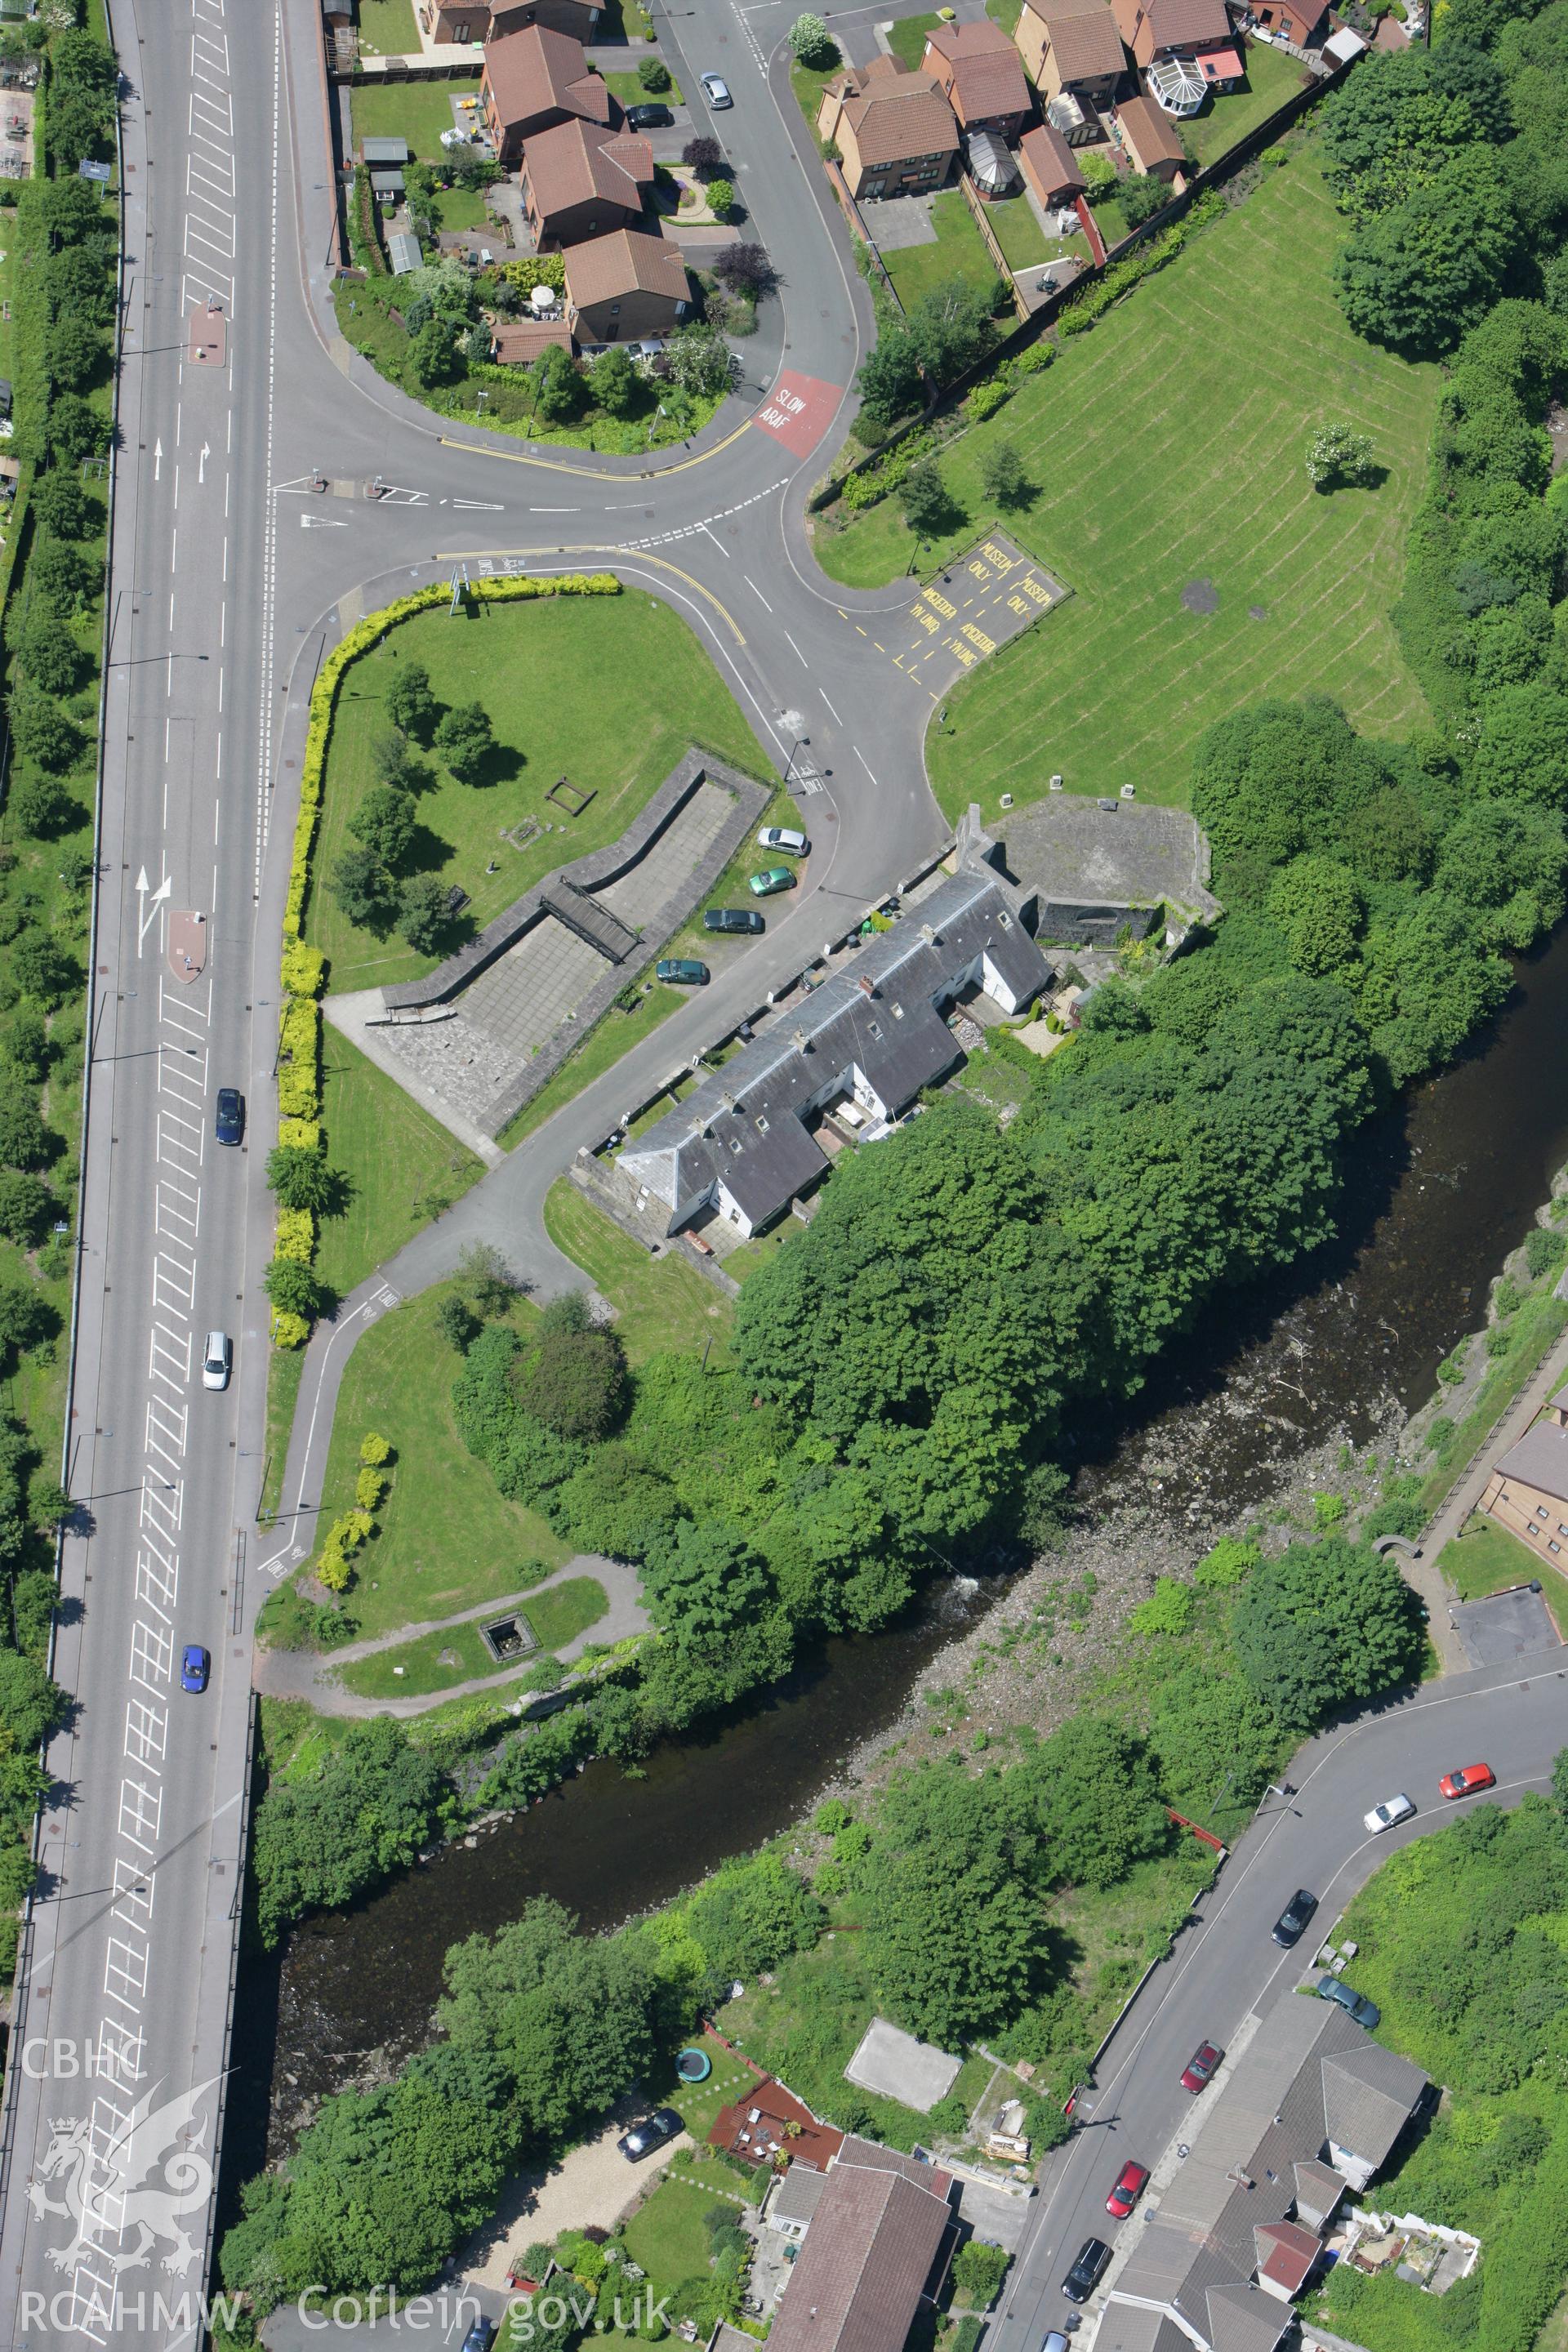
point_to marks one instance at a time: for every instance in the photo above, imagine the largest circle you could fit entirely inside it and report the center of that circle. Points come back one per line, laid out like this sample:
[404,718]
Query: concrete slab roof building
[1314,2107]
[741,1144]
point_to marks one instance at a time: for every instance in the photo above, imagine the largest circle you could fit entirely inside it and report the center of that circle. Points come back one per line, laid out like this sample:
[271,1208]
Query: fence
[859,230]
[1029,331]
[992,242]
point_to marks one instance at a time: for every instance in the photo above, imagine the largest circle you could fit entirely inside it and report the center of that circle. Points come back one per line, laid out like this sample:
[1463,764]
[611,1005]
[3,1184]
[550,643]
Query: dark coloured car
[1202,2066]
[733,919]
[1130,2183]
[648,118]
[230,1121]
[195,1668]
[643,2138]
[1086,2272]
[480,2337]
[684,971]
[1292,1924]
[1365,2012]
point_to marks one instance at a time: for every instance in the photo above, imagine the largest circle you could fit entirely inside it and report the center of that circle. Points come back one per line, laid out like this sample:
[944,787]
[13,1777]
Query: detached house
[1314,2107]
[1528,1490]
[979,72]
[894,128]
[624,287]
[534,79]
[581,180]
[1072,50]
[477,20]
[859,1051]
[1185,47]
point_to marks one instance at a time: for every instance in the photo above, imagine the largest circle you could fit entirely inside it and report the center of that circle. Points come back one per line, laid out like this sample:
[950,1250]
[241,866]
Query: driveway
[591,2187]
[1505,1626]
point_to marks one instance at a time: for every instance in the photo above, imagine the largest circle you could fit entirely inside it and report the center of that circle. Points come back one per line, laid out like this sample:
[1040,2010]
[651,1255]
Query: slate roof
[987,73]
[1311,2076]
[1318,2187]
[1132,2327]
[797,2196]
[1540,1459]
[579,162]
[870,2248]
[743,1126]
[531,72]
[896,113]
[874,2157]
[1084,37]
[604,268]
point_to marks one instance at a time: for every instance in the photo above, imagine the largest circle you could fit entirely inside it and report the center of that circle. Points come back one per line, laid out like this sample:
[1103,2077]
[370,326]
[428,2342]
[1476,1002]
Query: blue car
[230,1120]
[195,1668]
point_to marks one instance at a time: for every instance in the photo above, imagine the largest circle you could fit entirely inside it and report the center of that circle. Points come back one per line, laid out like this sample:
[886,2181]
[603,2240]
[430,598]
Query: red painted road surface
[799,412]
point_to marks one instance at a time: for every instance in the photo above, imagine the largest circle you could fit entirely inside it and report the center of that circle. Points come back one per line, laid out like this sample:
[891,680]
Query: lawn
[808,82]
[415,110]
[1025,242]
[402,1166]
[668,2235]
[284,1367]
[959,252]
[654,693]
[1112,221]
[629,89]
[660,1302]
[1168,446]
[386,29]
[1484,1558]
[906,38]
[1272,77]
[447,1538]
[437,1661]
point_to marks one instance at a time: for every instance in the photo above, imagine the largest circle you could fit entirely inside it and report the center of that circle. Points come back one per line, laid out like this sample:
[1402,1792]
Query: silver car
[1387,1815]
[716,90]
[784,837]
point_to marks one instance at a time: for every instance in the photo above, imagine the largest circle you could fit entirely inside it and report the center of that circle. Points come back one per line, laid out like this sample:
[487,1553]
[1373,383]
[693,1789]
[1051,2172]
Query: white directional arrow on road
[157,459]
[147,914]
[321,522]
[202,466]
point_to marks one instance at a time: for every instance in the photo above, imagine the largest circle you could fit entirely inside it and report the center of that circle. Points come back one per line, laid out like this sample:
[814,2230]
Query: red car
[1201,2066]
[1130,2186]
[1468,1780]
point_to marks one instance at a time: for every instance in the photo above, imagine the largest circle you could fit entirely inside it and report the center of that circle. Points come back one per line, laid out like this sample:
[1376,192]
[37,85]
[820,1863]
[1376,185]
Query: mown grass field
[555,1616]
[609,692]
[660,1302]
[1165,447]
[402,1167]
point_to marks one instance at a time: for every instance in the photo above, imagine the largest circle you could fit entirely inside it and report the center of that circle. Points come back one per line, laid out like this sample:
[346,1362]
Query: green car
[685,970]
[771,878]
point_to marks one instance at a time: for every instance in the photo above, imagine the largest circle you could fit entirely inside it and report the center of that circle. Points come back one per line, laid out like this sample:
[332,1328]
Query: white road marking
[823,691]
[756,591]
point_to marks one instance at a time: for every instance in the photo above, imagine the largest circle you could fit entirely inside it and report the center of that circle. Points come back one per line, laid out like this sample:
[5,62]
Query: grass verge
[659,1302]
[438,1662]
[402,1166]
[285,1369]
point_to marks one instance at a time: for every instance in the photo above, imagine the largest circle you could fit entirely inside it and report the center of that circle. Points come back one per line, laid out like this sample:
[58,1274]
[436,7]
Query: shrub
[988,398]
[1228,1562]
[370,1488]
[290,1331]
[653,74]
[1168,1610]
[296,1234]
[374,1452]
[1338,453]
[720,198]
[1544,1249]
[978,2271]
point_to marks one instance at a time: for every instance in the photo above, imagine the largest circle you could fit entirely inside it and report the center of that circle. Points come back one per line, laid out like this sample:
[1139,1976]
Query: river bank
[1283,1395]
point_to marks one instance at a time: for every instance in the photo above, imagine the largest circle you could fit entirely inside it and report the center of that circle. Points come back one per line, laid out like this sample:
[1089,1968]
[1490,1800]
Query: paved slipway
[305,1673]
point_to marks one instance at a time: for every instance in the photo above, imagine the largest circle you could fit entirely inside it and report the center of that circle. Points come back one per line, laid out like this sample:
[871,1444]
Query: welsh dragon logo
[138,2191]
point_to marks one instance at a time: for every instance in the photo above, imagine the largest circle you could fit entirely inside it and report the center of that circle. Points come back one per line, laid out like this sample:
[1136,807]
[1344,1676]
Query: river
[1438,1192]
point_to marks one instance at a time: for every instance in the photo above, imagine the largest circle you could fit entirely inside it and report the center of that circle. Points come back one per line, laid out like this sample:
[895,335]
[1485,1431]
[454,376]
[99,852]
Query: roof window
[875,1027]
[761,1127]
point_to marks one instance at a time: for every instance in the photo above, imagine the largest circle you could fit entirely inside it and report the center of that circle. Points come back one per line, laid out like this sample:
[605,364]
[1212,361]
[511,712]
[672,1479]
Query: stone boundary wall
[595,869]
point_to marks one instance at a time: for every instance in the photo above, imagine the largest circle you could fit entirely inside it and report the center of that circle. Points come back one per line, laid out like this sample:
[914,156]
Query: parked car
[1202,2066]
[643,2138]
[785,839]
[716,91]
[480,2337]
[230,1125]
[648,118]
[217,1360]
[732,918]
[1130,2183]
[1384,1816]
[1365,2012]
[1468,1780]
[1055,2341]
[195,1668]
[684,971]
[1290,1926]
[771,878]
[1086,2272]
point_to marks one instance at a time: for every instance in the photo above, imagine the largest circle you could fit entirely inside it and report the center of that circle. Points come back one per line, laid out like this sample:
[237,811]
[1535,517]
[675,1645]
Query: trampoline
[693,2065]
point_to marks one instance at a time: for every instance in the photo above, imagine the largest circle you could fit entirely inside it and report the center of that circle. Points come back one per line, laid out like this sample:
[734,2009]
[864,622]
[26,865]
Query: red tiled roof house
[580,180]
[1072,47]
[1151,143]
[894,129]
[1195,34]
[477,20]
[533,80]
[625,286]
[980,73]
